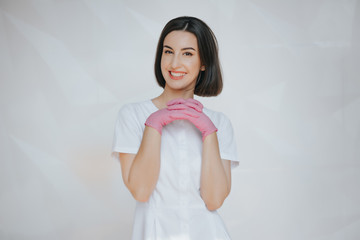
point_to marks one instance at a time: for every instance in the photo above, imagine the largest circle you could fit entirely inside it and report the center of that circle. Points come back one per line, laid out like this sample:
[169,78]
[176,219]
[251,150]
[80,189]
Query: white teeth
[177,74]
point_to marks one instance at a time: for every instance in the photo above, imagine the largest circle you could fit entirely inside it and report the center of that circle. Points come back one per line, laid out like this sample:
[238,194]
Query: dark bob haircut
[209,82]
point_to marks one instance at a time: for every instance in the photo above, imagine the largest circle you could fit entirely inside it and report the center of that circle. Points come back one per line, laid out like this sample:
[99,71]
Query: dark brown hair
[209,82]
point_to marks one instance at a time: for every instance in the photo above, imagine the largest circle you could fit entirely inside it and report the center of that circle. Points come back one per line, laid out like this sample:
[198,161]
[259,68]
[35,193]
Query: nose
[175,61]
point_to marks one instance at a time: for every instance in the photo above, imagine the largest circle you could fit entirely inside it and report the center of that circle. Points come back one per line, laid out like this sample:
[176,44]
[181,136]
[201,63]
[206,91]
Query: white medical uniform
[175,210]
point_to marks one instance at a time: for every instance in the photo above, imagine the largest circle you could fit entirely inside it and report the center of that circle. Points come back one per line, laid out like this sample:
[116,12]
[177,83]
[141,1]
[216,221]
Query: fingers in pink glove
[185,106]
[184,113]
[179,103]
[181,106]
[159,119]
[165,116]
[200,120]
[175,101]
[195,104]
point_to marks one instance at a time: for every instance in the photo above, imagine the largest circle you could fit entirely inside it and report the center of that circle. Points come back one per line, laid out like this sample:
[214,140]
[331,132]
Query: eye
[188,54]
[167,51]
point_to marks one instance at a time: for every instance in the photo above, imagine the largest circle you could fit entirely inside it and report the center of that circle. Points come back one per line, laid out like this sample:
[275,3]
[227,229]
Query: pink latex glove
[165,116]
[191,110]
[181,104]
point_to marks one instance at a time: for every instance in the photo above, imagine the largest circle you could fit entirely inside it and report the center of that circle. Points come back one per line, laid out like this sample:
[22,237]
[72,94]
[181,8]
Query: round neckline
[156,108]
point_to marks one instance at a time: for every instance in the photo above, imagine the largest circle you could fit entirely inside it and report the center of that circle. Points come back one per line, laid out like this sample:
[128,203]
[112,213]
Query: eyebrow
[187,48]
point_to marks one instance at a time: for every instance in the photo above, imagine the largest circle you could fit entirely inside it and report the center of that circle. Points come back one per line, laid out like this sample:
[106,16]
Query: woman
[175,155]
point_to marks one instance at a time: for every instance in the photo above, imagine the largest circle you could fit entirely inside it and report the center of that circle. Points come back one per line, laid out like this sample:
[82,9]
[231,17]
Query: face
[180,61]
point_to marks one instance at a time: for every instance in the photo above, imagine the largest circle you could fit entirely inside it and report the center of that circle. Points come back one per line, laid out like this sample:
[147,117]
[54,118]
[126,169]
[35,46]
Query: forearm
[215,185]
[144,171]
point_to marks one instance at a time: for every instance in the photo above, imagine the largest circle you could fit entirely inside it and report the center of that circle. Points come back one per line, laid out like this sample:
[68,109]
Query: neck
[168,95]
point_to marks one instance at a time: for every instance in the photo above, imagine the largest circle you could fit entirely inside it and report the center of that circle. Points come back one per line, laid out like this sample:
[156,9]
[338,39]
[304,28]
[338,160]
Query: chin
[179,87]
[178,84]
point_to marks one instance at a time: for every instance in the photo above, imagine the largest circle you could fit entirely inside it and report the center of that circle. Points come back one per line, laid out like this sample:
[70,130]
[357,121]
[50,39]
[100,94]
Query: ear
[202,68]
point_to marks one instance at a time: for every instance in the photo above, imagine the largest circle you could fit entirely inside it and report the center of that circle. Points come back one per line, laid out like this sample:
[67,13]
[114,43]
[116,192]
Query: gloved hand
[165,116]
[191,110]
[180,103]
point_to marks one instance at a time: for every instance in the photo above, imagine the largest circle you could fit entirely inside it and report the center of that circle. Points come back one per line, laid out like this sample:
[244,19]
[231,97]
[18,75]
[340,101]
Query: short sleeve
[128,132]
[227,142]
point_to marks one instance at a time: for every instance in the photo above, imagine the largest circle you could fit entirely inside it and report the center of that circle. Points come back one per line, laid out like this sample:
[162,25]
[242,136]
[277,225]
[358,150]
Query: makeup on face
[180,62]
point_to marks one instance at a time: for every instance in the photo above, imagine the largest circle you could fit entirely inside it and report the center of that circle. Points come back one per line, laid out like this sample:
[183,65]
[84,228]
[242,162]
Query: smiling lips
[176,75]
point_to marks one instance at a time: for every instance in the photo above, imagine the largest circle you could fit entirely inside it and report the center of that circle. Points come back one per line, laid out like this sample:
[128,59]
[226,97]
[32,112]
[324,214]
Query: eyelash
[185,53]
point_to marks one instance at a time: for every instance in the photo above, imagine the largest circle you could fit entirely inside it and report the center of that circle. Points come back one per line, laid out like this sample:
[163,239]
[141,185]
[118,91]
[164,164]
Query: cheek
[164,62]
[163,68]
[194,65]
[162,65]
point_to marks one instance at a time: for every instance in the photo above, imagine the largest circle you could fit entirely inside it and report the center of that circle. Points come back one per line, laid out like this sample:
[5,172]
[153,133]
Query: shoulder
[218,118]
[138,108]
[135,113]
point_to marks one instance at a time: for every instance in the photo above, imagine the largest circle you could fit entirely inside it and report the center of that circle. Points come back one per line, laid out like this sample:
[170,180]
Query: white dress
[175,210]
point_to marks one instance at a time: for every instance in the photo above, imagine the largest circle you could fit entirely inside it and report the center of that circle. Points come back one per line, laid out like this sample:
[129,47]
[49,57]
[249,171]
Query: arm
[215,179]
[140,171]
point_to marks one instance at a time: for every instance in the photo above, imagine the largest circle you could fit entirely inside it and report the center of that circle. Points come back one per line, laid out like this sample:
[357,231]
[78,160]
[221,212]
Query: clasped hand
[189,109]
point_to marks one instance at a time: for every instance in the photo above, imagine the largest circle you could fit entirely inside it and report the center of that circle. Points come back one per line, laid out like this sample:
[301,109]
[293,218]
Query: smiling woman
[176,155]
[180,61]
[209,82]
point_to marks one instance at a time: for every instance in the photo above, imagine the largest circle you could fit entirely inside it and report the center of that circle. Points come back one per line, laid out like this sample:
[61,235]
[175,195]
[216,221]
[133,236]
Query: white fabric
[175,209]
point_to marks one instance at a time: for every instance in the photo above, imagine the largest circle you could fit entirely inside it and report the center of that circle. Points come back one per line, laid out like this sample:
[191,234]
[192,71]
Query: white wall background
[292,91]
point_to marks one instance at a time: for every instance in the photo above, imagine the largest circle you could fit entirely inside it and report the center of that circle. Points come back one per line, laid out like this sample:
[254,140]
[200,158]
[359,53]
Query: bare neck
[168,95]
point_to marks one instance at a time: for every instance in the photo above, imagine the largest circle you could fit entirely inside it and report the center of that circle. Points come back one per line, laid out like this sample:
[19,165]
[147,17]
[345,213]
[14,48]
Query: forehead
[181,39]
